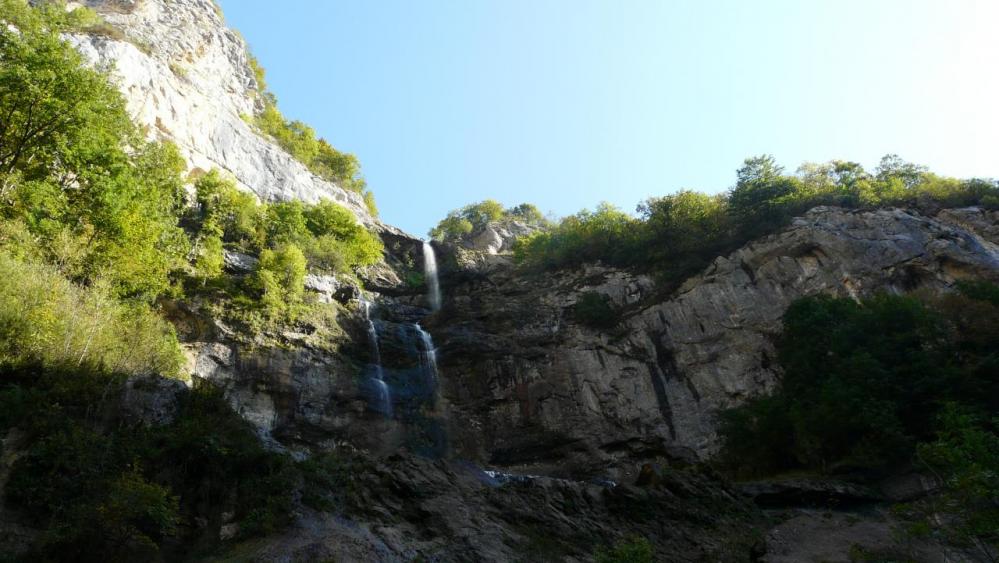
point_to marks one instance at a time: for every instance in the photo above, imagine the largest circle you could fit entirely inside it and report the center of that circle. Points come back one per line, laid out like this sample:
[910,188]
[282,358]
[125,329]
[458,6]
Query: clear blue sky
[566,103]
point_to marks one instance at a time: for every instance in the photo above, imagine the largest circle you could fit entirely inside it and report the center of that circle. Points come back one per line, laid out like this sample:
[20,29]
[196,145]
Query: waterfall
[383,396]
[428,355]
[430,273]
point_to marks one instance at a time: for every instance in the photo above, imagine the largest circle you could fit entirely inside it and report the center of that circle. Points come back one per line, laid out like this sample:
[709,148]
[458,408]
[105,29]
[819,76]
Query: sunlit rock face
[187,78]
[522,381]
[531,386]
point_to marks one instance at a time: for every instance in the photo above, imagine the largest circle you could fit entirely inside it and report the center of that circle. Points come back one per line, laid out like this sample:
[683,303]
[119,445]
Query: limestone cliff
[530,386]
[187,78]
[504,377]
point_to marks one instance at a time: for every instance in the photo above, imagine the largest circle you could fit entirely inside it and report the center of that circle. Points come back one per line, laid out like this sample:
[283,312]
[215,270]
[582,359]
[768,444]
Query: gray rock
[186,76]
[528,385]
[497,237]
[325,285]
[239,263]
[152,400]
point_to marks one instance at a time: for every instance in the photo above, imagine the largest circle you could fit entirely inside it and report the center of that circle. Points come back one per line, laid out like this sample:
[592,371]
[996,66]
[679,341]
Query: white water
[430,274]
[384,399]
[429,353]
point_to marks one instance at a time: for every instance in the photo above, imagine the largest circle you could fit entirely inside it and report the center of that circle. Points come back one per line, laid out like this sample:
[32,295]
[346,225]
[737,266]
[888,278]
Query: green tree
[281,279]
[762,198]
[862,382]
[74,167]
[236,213]
[685,230]
[475,216]
[965,457]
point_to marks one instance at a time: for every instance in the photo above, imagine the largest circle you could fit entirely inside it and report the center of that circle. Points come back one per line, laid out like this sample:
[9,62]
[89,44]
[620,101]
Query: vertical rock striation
[187,78]
[534,387]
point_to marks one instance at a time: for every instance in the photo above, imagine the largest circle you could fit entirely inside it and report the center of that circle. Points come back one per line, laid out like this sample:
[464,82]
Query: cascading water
[428,355]
[430,274]
[383,396]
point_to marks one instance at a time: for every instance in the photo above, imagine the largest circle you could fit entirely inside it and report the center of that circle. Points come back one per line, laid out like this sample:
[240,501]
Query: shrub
[964,455]
[862,382]
[106,491]
[681,233]
[607,235]
[300,141]
[595,310]
[634,549]
[280,277]
[461,222]
[86,172]
[328,234]
[236,213]
[48,319]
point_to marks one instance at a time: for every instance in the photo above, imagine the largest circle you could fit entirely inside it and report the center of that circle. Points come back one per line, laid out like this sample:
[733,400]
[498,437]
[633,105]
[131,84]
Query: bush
[607,234]
[225,208]
[280,277]
[679,234]
[595,310]
[464,221]
[328,234]
[74,167]
[965,456]
[300,141]
[862,382]
[48,319]
[633,549]
[108,491]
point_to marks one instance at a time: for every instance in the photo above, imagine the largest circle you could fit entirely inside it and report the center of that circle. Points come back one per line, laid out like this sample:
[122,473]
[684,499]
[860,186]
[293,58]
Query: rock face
[497,236]
[408,508]
[532,387]
[187,78]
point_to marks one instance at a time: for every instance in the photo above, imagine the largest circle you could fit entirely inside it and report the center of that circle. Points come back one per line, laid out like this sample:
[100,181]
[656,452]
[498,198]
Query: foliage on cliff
[675,235]
[862,382]
[888,382]
[101,215]
[288,236]
[301,142]
[49,320]
[472,217]
[102,487]
[76,176]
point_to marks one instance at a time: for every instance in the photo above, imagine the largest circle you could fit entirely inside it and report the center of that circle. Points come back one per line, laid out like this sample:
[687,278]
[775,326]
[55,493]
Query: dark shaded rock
[808,492]
[152,400]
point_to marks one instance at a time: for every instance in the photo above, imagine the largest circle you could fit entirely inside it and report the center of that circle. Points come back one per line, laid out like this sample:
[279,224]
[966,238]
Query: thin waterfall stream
[430,274]
[402,376]
[383,402]
[428,354]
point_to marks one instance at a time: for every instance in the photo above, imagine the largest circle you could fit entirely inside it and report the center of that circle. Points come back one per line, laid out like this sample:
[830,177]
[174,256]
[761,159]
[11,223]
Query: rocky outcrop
[530,386]
[406,508]
[187,78]
[151,400]
[497,236]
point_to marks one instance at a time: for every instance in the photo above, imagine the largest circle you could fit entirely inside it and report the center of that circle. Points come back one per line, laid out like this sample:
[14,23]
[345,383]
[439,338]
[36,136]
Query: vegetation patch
[471,218]
[301,142]
[595,310]
[886,383]
[106,489]
[677,235]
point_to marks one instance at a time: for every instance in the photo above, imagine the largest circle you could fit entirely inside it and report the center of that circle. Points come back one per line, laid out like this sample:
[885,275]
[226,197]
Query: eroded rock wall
[530,386]
[187,78]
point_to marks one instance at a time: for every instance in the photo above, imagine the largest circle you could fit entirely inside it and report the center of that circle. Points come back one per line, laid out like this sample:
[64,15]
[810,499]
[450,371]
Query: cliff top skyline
[564,106]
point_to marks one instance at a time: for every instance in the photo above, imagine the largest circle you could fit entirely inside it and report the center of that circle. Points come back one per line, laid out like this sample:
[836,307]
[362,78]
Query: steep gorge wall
[523,384]
[531,387]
